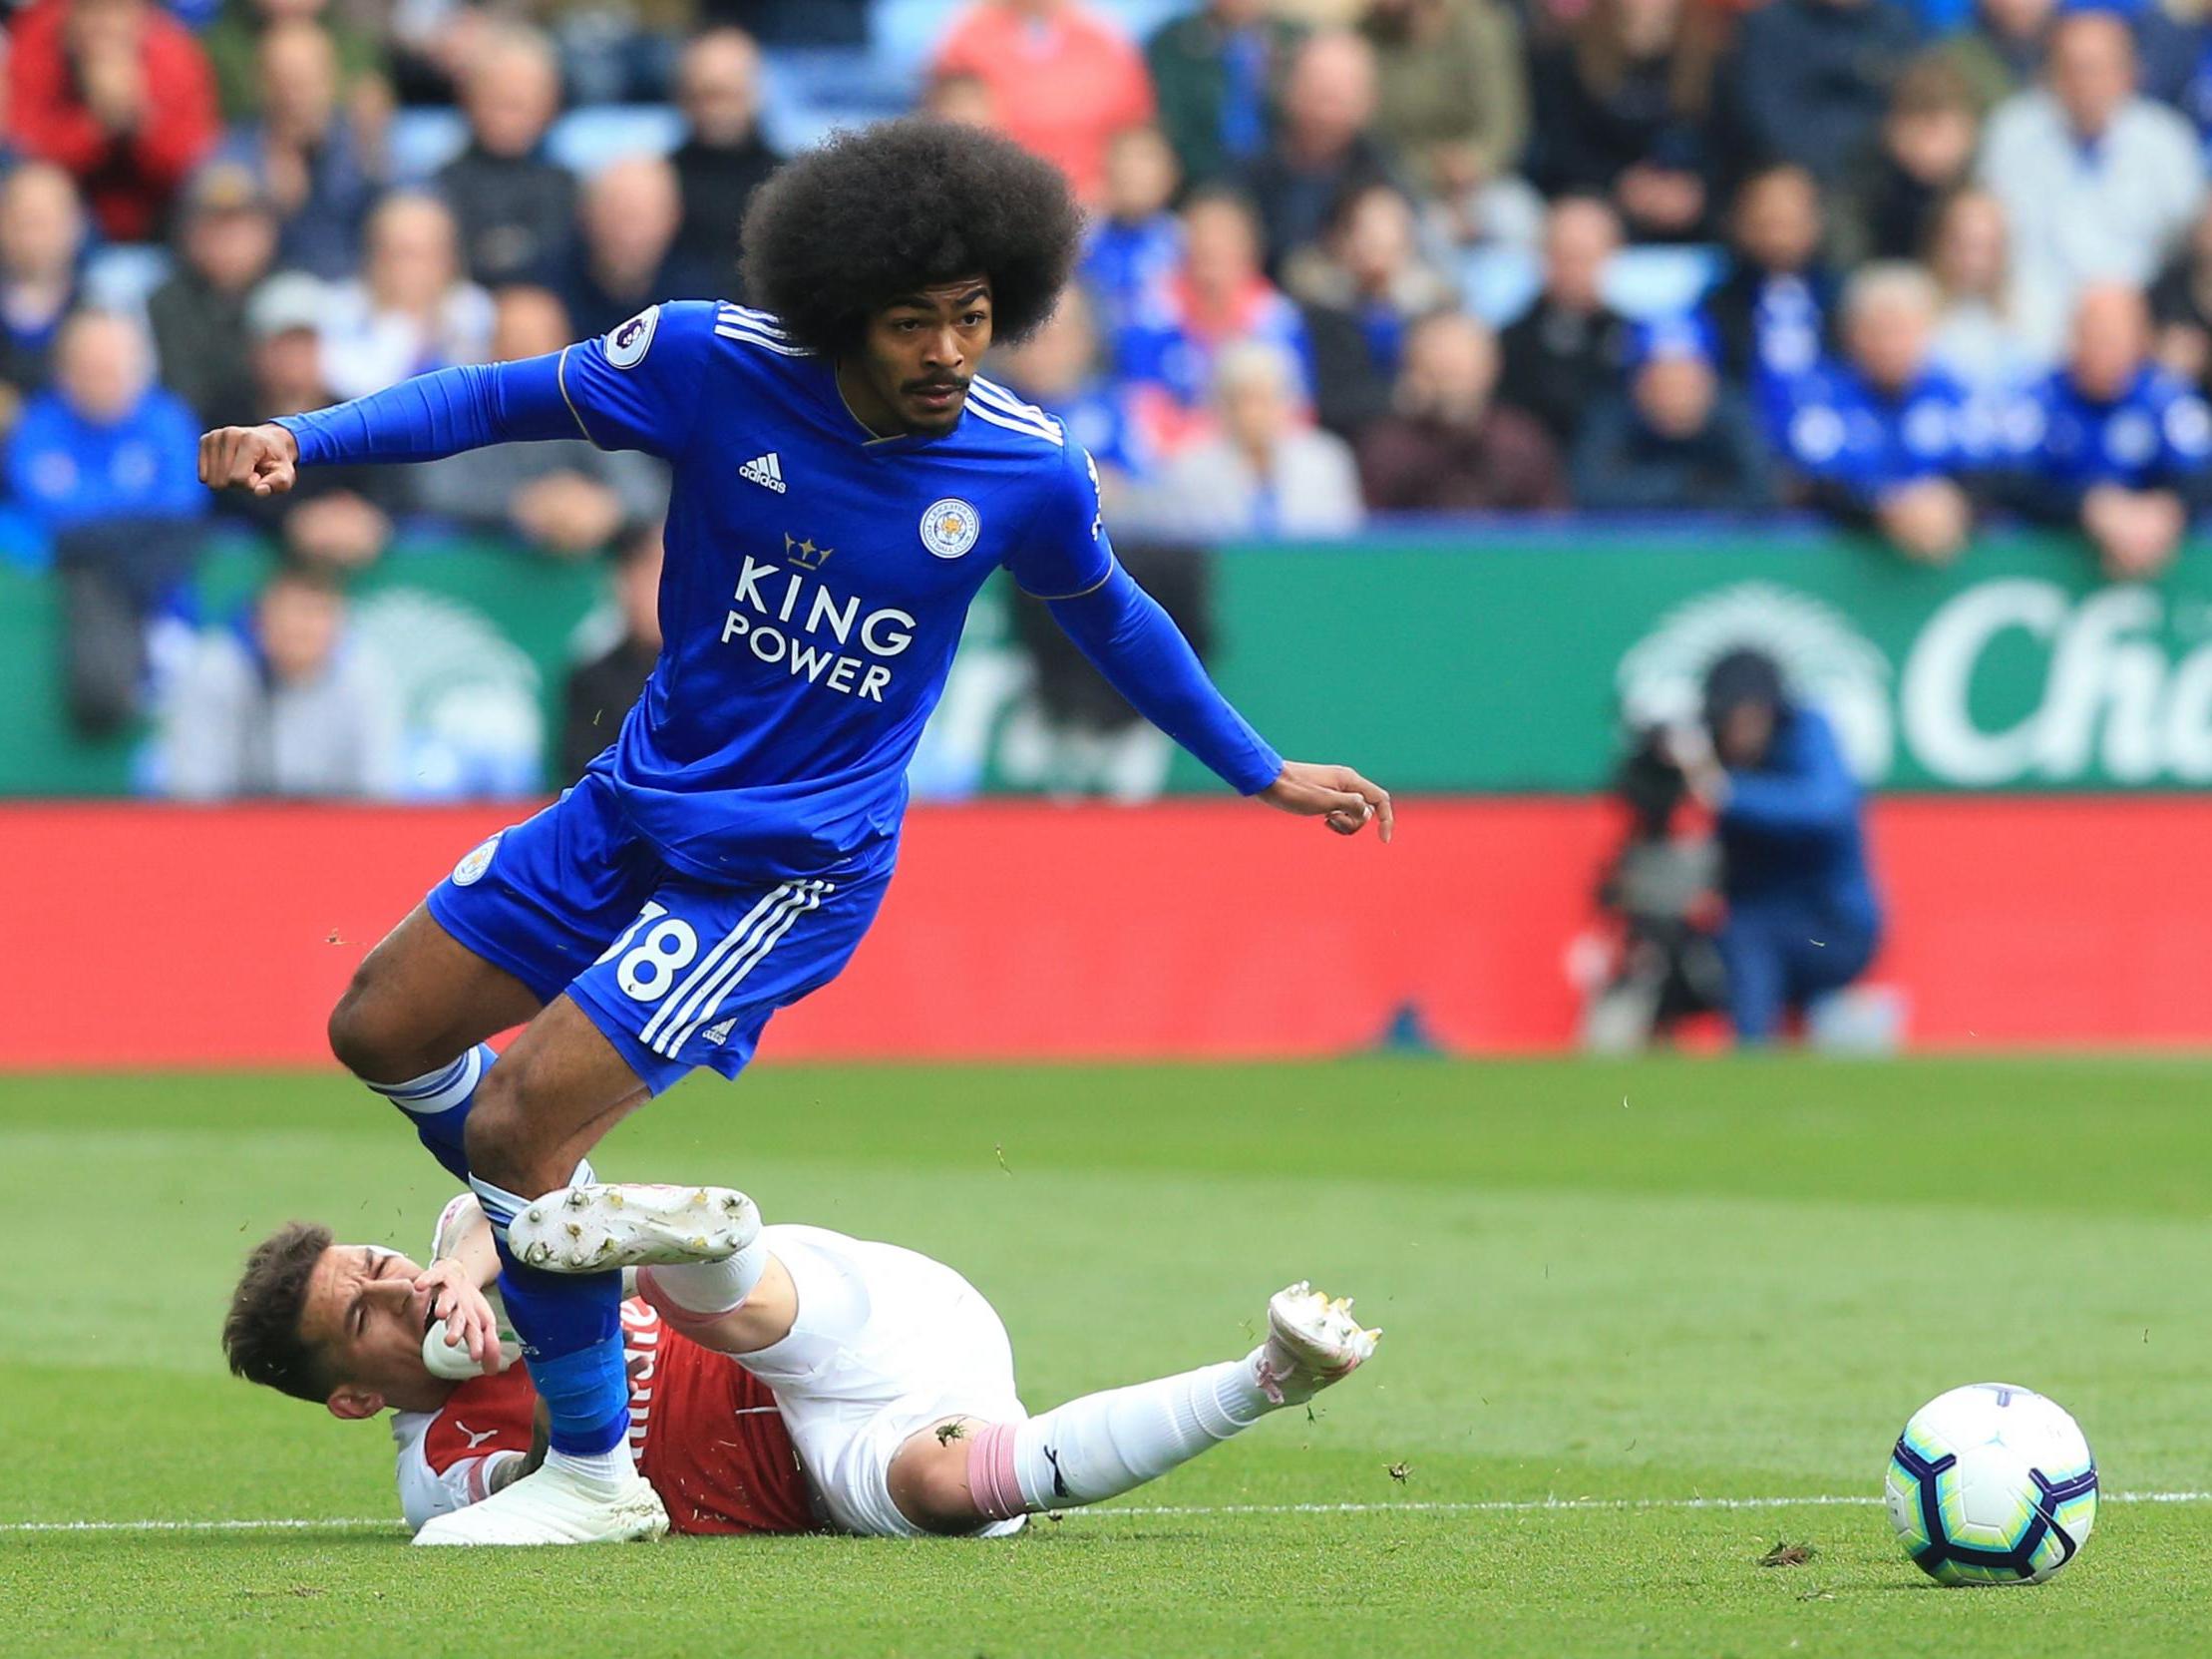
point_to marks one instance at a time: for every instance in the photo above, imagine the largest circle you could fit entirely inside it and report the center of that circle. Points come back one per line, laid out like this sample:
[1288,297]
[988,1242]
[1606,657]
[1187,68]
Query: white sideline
[1533,1505]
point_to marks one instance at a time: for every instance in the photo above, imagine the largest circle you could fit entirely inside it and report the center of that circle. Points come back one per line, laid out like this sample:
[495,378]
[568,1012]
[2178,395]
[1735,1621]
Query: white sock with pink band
[697,1293]
[1103,1444]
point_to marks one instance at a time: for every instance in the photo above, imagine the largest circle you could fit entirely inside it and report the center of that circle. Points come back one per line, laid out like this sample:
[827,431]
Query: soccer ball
[1991,1484]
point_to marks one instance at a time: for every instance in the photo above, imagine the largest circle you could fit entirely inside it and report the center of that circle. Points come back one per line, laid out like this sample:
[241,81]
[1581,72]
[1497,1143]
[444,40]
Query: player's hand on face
[1338,796]
[470,1322]
[261,459]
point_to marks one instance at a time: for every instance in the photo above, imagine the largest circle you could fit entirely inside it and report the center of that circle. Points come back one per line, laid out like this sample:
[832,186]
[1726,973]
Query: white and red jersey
[704,1430]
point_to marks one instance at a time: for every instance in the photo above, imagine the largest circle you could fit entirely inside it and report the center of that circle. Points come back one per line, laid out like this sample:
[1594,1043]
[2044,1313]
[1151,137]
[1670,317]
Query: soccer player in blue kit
[844,483]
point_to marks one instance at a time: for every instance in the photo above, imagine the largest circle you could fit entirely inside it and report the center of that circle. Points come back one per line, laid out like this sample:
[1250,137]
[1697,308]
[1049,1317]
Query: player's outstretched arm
[423,419]
[1135,644]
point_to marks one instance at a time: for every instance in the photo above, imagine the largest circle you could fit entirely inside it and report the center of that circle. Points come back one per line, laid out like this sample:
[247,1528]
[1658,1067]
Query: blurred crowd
[1910,265]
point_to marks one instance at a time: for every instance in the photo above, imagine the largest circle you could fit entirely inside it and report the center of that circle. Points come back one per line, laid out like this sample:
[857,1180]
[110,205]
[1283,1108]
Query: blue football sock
[571,1326]
[438,1104]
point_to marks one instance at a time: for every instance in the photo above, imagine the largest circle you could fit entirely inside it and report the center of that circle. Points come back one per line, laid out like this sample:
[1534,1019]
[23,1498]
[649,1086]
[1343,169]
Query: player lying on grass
[843,484]
[781,1379]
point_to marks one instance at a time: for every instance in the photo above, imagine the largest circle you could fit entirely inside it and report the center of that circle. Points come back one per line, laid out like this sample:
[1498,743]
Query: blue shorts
[677,972]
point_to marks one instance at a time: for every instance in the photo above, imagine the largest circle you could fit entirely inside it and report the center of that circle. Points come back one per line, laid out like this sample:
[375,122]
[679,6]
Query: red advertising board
[150,936]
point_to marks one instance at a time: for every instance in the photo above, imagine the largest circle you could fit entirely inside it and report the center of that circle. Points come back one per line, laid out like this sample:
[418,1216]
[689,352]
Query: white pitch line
[1491,1507]
[309,1526]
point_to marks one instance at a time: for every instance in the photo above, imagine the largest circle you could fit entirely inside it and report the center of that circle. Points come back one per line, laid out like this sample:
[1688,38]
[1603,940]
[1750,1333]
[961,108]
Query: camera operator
[1653,961]
[1803,921]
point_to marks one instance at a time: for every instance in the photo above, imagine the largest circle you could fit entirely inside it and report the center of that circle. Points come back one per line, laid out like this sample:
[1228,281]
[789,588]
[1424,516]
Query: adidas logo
[721,1033]
[765,470]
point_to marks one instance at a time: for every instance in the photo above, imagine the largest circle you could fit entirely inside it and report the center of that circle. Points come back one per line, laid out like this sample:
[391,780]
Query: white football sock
[1104,1444]
[709,1288]
[609,1467]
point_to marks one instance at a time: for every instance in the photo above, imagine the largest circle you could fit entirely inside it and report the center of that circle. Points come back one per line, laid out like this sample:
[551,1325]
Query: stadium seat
[1499,283]
[120,276]
[807,92]
[904,33]
[424,139]
[584,141]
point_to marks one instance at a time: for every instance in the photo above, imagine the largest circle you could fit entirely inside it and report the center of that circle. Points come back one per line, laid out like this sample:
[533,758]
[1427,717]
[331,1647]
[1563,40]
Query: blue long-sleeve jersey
[1856,443]
[2157,435]
[68,471]
[816,579]
[1792,831]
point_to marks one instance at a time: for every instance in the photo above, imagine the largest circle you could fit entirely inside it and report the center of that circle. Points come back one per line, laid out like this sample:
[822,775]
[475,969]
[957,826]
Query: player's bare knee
[366,1039]
[929,1478]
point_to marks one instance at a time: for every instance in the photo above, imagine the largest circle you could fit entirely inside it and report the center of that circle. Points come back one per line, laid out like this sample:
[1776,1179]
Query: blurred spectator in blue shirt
[227,236]
[305,150]
[1057,369]
[514,206]
[42,243]
[2120,446]
[106,463]
[1883,436]
[1135,243]
[1803,921]
[1772,308]
[1811,78]
[104,442]
[1165,355]
[1676,437]
[1216,75]
[723,157]
[626,257]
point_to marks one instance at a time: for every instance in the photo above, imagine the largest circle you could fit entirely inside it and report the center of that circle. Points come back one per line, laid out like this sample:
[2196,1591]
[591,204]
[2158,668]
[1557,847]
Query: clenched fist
[263,459]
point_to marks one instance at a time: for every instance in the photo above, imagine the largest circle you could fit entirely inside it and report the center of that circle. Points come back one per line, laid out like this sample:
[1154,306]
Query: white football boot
[1313,1341]
[555,1505]
[586,1229]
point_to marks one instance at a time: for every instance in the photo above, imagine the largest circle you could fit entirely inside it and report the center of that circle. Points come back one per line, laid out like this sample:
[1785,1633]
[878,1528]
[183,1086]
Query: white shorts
[887,1344]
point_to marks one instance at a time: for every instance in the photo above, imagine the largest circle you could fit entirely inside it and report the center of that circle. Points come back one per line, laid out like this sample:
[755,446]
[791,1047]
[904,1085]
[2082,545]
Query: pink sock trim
[990,1473]
[687,1320]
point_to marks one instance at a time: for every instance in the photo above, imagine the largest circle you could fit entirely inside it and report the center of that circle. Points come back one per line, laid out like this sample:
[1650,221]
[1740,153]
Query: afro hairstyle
[841,231]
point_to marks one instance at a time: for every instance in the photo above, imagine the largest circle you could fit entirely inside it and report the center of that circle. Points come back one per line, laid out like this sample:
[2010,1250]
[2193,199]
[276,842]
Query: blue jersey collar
[857,431]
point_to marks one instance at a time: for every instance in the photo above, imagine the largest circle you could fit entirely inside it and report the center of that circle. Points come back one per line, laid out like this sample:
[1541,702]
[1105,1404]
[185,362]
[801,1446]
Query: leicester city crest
[471,869]
[950,527]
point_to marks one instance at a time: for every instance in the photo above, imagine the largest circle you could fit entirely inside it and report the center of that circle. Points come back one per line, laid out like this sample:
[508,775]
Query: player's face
[919,354]
[363,1311]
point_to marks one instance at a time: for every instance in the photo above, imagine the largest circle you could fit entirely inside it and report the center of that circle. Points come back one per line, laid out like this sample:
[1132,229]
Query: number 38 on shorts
[694,976]
[648,964]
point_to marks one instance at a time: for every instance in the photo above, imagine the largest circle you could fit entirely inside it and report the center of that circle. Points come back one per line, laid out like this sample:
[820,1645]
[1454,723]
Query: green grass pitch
[1608,1290]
